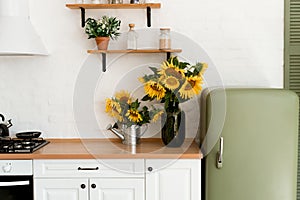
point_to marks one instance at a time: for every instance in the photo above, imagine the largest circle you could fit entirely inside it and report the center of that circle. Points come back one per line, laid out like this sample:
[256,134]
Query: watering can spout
[115,131]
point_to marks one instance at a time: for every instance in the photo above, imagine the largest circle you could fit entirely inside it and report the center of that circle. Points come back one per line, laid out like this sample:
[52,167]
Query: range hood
[17,34]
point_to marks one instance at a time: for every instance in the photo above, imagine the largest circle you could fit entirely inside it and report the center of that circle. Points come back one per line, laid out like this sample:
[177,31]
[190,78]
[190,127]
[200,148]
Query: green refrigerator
[250,138]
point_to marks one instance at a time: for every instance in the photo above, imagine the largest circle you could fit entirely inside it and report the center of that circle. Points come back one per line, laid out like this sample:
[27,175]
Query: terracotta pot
[102,42]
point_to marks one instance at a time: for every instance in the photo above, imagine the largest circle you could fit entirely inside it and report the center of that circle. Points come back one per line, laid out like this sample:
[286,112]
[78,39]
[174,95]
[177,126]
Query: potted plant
[102,30]
[175,82]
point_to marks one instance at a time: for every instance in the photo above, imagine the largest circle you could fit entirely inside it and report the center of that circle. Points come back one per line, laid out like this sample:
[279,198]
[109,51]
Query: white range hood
[17,34]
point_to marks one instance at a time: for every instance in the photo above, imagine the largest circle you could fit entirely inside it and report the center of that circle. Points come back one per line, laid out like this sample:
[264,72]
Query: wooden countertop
[109,149]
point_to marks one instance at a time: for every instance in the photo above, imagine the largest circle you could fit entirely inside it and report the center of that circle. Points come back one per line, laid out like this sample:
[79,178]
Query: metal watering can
[129,135]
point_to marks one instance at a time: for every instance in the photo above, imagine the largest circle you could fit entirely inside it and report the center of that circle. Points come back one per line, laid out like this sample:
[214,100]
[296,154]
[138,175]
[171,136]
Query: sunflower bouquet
[128,111]
[175,82]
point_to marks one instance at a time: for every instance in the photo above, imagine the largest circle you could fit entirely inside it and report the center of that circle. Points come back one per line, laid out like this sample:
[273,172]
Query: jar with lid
[116,1]
[165,38]
[132,37]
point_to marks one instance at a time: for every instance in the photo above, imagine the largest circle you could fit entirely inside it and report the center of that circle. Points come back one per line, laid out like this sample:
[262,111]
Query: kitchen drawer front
[89,168]
[15,167]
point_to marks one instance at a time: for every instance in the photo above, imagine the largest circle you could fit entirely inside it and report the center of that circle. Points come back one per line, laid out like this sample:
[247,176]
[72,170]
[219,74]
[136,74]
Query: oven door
[16,187]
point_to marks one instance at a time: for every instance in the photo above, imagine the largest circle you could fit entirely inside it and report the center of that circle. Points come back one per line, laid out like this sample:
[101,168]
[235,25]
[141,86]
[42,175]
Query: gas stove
[17,145]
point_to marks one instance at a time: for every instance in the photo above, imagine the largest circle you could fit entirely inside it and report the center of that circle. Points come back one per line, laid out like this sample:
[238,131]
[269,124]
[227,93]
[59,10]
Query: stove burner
[16,145]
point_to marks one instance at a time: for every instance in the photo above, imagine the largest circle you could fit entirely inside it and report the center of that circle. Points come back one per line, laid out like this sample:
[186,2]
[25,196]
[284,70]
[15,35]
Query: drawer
[88,168]
[15,167]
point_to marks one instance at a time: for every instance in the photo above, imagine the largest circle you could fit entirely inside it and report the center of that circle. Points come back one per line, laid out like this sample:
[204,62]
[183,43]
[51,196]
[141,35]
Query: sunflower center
[124,99]
[171,81]
[155,87]
[173,72]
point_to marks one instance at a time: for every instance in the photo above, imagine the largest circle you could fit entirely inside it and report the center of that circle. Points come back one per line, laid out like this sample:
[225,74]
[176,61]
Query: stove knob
[7,168]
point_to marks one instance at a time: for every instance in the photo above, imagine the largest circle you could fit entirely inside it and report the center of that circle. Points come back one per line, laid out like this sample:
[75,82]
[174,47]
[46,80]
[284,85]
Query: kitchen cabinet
[115,179]
[173,179]
[64,189]
[89,179]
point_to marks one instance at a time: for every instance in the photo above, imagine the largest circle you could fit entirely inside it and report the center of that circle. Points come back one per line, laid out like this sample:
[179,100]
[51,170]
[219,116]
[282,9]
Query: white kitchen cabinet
[64,189]
[89,179]
[116,189]
[173,179]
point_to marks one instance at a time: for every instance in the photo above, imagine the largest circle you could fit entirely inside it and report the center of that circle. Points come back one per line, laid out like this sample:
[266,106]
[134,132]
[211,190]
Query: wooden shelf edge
[113,6]
[136,51]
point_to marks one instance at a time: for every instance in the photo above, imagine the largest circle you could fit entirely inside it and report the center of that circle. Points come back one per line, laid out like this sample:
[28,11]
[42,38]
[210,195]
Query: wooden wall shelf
[82,7]
[104,52]
[114,6]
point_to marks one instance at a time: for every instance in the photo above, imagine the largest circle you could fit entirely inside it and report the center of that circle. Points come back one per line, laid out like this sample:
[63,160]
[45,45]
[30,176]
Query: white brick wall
[243,38]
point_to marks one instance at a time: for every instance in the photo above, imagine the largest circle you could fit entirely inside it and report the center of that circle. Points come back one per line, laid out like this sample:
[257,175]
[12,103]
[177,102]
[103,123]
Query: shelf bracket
[148,16]
[103,62]
[168,55]
[82,17]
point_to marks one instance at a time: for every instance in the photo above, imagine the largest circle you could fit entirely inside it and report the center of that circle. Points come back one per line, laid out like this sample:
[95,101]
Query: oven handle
[14,183]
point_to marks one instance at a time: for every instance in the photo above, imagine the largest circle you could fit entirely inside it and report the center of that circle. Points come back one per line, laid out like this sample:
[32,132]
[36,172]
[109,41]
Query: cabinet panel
[89,168]
[170,179]
[116,189]
[64,189]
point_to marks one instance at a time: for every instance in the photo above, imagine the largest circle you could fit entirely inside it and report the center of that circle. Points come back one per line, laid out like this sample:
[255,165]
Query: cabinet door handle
[87,168]
[93,186]
[150,169]
[82,186]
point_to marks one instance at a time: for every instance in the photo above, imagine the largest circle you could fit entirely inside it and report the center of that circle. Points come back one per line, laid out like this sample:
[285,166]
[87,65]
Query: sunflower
[171,83]
[157,115]
[123,96]
[134,115]
[168,69]
[196,83]
[154,89]
[108,105]
[191,87]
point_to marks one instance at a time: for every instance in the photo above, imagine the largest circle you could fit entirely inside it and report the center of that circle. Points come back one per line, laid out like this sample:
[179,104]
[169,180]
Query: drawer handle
[82,186]
[87,168]
[150,169]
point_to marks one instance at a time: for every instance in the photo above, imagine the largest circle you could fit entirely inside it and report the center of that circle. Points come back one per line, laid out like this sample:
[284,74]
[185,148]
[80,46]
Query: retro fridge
[250,137]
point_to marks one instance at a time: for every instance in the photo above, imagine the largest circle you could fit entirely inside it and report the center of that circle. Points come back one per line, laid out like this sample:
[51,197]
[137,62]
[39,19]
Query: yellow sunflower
[196,83]
[108,105]
[168,69]
[191,87]
[123,96]
[171,83]
[154,89]
[134,115]
[157,115]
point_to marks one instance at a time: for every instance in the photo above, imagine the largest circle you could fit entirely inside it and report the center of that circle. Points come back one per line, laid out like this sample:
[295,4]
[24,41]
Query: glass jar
[165,38]
[116,1]
[132,37]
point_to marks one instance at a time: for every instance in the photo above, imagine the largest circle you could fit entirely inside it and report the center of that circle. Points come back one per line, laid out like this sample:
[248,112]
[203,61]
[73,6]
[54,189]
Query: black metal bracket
[82,17]
[148,16]
[103,62]
[168,55]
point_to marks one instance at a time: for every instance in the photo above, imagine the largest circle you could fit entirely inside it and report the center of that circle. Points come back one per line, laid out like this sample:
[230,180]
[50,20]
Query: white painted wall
[243,38]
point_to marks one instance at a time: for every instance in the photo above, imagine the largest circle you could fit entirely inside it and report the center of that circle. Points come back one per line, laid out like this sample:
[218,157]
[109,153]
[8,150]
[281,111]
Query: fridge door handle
[220,154]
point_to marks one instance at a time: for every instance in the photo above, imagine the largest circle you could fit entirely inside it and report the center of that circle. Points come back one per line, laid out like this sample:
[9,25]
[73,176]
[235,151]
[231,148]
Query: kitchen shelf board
[104,52]
[113,6]
[82,8]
